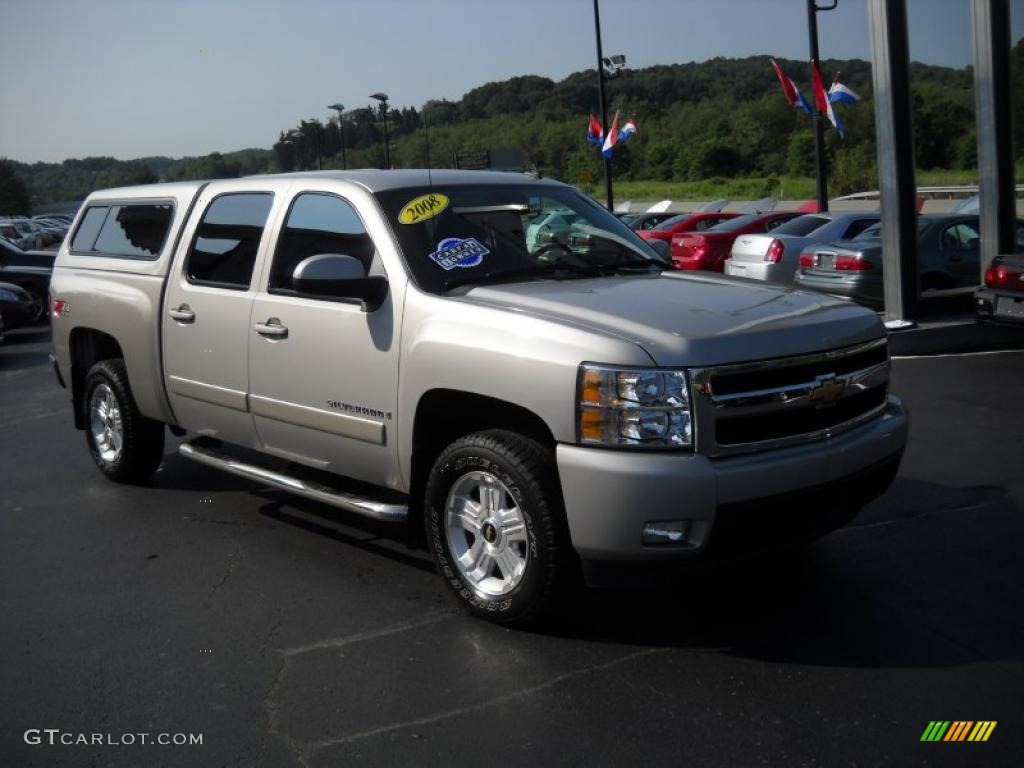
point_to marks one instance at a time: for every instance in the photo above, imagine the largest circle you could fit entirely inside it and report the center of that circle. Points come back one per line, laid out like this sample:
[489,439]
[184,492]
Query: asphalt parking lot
[287,633]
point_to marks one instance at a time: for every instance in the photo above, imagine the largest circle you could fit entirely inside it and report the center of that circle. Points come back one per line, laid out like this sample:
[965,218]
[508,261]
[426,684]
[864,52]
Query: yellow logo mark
[206,501]
[422,208]
[206,650]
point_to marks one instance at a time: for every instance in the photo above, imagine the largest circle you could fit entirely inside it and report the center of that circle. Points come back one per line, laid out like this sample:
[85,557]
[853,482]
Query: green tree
[14,197]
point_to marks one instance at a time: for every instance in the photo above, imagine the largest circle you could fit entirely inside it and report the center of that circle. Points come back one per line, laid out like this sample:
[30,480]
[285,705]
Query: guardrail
[962,190]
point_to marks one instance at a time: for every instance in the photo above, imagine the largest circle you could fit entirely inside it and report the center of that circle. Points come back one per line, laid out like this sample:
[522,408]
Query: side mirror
[335,276]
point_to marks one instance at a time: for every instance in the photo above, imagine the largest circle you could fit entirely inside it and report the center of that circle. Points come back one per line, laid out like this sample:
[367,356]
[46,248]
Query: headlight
[640,408]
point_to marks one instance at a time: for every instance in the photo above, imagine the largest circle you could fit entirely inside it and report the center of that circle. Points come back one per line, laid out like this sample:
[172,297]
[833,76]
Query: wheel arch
[445,415]
[87,347]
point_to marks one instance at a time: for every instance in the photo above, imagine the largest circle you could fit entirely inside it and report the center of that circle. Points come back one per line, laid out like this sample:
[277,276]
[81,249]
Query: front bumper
[610,495]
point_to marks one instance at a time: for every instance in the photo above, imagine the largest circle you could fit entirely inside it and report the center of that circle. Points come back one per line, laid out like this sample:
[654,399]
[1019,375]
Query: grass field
[781,188]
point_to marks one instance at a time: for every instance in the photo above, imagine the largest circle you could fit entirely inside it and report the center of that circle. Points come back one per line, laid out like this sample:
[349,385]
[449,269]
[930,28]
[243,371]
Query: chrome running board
[202,451]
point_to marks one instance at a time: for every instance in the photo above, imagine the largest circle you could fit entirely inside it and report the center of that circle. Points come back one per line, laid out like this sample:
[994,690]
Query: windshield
[801,225]
[465,234]
[731,225]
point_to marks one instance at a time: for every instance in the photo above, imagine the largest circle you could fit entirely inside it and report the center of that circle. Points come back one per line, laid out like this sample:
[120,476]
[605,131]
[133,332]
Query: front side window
[227,240]
[455,235]
[318,223]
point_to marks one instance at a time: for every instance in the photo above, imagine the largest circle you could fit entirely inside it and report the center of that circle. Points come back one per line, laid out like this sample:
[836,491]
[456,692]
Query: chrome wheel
[105,423]
[486,534]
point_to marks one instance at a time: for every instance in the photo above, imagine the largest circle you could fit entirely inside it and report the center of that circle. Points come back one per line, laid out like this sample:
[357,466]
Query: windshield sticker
[459,252]
[422,208]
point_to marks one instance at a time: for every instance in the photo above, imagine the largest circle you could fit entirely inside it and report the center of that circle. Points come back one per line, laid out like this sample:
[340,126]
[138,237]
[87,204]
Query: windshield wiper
[615,266]
[537,270]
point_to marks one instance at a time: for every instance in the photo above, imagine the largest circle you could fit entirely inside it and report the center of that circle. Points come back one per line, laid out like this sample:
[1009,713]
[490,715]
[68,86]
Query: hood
[685,319]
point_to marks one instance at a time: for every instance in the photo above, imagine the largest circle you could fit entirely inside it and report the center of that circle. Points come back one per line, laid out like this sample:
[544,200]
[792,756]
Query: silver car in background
[775,257]
[947,252]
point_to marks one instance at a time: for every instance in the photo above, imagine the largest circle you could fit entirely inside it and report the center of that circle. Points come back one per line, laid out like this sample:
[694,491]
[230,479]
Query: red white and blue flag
[629,129]
[612,138]
[595,133]
[793,95]
[822,102]
[842,94]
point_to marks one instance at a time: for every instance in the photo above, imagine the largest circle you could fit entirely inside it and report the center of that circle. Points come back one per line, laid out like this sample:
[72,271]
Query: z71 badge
[458,252]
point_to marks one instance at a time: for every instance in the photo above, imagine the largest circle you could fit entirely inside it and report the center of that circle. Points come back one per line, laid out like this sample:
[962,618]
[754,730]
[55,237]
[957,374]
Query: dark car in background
[639,222]
[947,252]
[29,270]
[1001,299]
[708,250]
[18,307]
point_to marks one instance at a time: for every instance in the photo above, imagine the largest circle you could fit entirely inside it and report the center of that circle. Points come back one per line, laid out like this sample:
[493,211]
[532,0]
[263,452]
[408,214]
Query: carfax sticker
[459,252]
[422,208]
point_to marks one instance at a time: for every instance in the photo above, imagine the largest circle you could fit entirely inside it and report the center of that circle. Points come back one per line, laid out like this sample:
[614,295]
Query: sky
[135,78]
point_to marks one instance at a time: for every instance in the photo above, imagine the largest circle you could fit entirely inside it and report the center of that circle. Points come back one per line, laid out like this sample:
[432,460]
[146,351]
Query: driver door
[323,372]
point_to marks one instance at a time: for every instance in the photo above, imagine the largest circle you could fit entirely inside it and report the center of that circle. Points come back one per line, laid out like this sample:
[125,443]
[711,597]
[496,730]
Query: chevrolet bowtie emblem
[827,389]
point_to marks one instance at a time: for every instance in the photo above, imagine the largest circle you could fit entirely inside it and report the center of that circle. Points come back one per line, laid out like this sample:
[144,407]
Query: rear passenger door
[208,308]
[323,372]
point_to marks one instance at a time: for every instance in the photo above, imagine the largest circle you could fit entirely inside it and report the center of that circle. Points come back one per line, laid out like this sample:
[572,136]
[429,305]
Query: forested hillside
[717,118]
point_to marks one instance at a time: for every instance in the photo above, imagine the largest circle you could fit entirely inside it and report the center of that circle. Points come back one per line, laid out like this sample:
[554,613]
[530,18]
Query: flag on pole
[612,138]
[842,94]
[629,129]
[793,95]
[821,100]
[595,133]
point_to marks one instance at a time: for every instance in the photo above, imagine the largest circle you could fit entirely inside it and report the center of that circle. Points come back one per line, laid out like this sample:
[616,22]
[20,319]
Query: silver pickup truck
[421,346]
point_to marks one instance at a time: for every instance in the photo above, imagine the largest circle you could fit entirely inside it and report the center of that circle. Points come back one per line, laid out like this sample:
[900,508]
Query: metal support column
[820,160]
[996,186]
[890,61]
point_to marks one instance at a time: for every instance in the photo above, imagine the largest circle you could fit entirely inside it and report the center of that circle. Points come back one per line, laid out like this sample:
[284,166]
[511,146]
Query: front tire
[126,446]
[496,527]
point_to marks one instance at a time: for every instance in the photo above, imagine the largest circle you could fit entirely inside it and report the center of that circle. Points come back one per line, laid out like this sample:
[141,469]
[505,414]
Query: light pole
[819,120]
[383,99]
[319,142]
[341,127]
[294,138]
[606,68]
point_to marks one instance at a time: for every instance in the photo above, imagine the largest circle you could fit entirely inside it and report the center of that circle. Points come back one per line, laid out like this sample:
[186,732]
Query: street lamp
[341,127]
[319,142]
[607,67]
[383,99]
[294,138]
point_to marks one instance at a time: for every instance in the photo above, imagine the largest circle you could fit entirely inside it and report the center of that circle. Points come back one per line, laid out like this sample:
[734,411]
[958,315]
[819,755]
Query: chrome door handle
[272,329]
[183,314]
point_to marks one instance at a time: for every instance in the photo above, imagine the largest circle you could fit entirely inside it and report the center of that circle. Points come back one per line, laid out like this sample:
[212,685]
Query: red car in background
[685,222]
[708,250]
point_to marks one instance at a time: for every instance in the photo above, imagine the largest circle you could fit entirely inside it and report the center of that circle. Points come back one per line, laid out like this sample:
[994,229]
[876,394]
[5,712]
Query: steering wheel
[545,253]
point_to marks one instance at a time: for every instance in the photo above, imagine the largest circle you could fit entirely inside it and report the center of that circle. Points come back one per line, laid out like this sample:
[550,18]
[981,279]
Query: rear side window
[802,225]
[227,240]
[133,231]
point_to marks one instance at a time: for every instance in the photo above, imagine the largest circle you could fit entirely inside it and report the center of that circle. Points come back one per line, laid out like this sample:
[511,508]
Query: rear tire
[126,446]
[496,527]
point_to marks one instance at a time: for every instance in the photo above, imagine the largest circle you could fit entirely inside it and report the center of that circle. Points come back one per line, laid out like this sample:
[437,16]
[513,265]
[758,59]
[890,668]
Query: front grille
[767,404]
